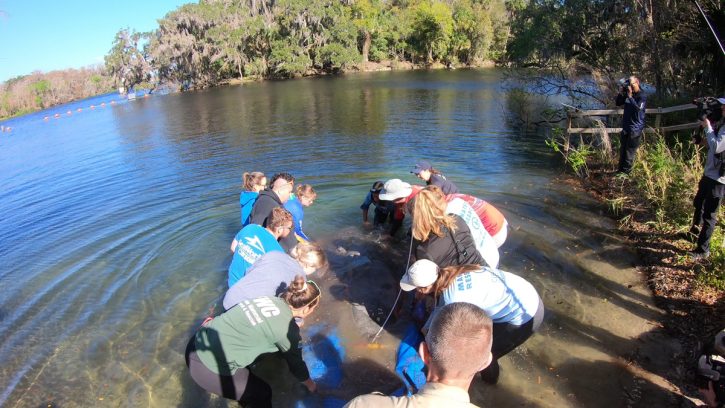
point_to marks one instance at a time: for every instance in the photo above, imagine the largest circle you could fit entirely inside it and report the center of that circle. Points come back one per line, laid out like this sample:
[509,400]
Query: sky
[47,35]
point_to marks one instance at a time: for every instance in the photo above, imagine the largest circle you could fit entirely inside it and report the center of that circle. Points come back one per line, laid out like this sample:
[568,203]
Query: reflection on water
[117,222]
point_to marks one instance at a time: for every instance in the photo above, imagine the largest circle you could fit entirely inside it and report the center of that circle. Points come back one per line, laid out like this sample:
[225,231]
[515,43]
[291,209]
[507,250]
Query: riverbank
[694,311]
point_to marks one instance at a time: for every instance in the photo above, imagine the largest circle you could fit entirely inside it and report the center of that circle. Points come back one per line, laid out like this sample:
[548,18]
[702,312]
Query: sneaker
[698,255]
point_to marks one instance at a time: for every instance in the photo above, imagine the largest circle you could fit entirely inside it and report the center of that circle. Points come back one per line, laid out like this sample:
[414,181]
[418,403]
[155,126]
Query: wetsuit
[219,354]
[384,210]
[266,202]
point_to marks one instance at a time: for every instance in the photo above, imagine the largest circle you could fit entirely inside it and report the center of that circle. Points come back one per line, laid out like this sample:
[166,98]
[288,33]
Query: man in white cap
[457,346]
[711,189]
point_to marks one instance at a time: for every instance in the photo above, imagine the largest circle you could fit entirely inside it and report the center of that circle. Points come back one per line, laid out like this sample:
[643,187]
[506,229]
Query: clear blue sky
[47,35]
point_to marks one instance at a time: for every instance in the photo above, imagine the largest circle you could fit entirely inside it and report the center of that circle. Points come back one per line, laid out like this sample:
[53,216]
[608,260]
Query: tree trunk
[366,46]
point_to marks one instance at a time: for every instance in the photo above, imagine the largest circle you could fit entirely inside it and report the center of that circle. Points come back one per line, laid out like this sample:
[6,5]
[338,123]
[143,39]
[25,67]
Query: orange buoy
[93,107]
[146,96]
[103,103]
[79,110]
[46,118]
[113,102]
[69,112]
[57,115]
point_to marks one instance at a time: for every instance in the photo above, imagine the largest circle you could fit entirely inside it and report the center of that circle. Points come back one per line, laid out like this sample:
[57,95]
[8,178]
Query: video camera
[712,368]
[708,107]
[624,83]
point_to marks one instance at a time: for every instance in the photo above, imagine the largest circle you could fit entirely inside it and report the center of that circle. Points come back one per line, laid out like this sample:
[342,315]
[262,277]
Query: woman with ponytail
[253,183]
[508,299]
[219,354]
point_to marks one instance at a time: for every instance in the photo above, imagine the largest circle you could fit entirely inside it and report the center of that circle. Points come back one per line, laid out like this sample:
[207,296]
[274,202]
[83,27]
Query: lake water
[117,220]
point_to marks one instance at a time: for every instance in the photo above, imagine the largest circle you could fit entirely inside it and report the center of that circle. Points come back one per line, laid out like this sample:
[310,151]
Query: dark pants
[629,143]
[507,337]
[707,201]
[243,386]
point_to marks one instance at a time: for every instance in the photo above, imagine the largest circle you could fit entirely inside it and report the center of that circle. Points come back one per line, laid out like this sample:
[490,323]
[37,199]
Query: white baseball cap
[395,189]
[721,100]
[421,274]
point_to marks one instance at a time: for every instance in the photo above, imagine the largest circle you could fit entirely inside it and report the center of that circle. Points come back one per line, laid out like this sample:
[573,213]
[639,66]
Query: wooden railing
[650,129]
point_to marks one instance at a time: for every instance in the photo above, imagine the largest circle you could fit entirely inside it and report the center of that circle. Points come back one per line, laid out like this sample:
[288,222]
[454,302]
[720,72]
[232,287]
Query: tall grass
[665,177]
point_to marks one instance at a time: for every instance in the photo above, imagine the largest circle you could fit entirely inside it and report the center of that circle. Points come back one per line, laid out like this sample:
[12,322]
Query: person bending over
[270,274]
[305,196]
[449,233]
[253,241]
[510,300]
[276,195]
[384,210]
[254,182]
[221,351]
[457,346]
[424,171]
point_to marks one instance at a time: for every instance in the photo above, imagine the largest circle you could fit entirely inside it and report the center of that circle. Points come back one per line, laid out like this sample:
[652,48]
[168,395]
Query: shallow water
[116,224]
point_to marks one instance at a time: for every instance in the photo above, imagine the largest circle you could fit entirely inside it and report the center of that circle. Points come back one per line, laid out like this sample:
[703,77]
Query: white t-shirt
[505,297]
[484,242]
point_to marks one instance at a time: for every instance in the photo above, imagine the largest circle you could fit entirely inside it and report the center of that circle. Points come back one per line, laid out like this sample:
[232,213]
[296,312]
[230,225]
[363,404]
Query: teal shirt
[237,337]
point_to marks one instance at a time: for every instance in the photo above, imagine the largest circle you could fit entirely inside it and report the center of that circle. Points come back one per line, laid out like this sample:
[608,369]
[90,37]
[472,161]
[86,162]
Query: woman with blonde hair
[438,236]
[221,351]
[305,195]
[510,300]
[434,207]
[252,184]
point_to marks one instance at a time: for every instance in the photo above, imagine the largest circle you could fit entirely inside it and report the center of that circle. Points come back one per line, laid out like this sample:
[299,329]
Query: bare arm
[234,245]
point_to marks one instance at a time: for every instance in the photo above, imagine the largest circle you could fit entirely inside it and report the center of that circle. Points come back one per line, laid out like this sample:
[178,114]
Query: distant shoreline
[388,65]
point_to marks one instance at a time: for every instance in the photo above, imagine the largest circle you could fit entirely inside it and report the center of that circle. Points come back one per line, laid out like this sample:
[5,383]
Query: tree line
[30,93]
[204,44]
[665,42]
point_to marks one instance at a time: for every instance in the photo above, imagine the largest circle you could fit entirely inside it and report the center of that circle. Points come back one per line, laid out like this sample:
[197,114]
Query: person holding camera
[634,100]
[711,189]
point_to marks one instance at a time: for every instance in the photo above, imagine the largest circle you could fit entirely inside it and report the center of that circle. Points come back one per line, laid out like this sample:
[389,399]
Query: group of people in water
[475,313]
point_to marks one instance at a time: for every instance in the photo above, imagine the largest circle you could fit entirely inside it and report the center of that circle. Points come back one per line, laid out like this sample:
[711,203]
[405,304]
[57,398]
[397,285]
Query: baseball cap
[420,166]
[421,274]
[721,100]
[395,189]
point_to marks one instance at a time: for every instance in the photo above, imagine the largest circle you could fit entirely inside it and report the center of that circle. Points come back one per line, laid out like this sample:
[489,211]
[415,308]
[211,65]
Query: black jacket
[266,202]
[448,250]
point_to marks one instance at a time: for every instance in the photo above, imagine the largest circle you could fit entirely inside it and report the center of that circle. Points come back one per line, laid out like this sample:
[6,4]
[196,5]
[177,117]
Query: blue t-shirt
[253,241]
[246,201]
[294,206]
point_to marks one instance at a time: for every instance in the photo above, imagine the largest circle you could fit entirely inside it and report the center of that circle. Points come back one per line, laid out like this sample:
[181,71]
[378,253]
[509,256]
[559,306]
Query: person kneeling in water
[219,354]
[510,300]
[457,346]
